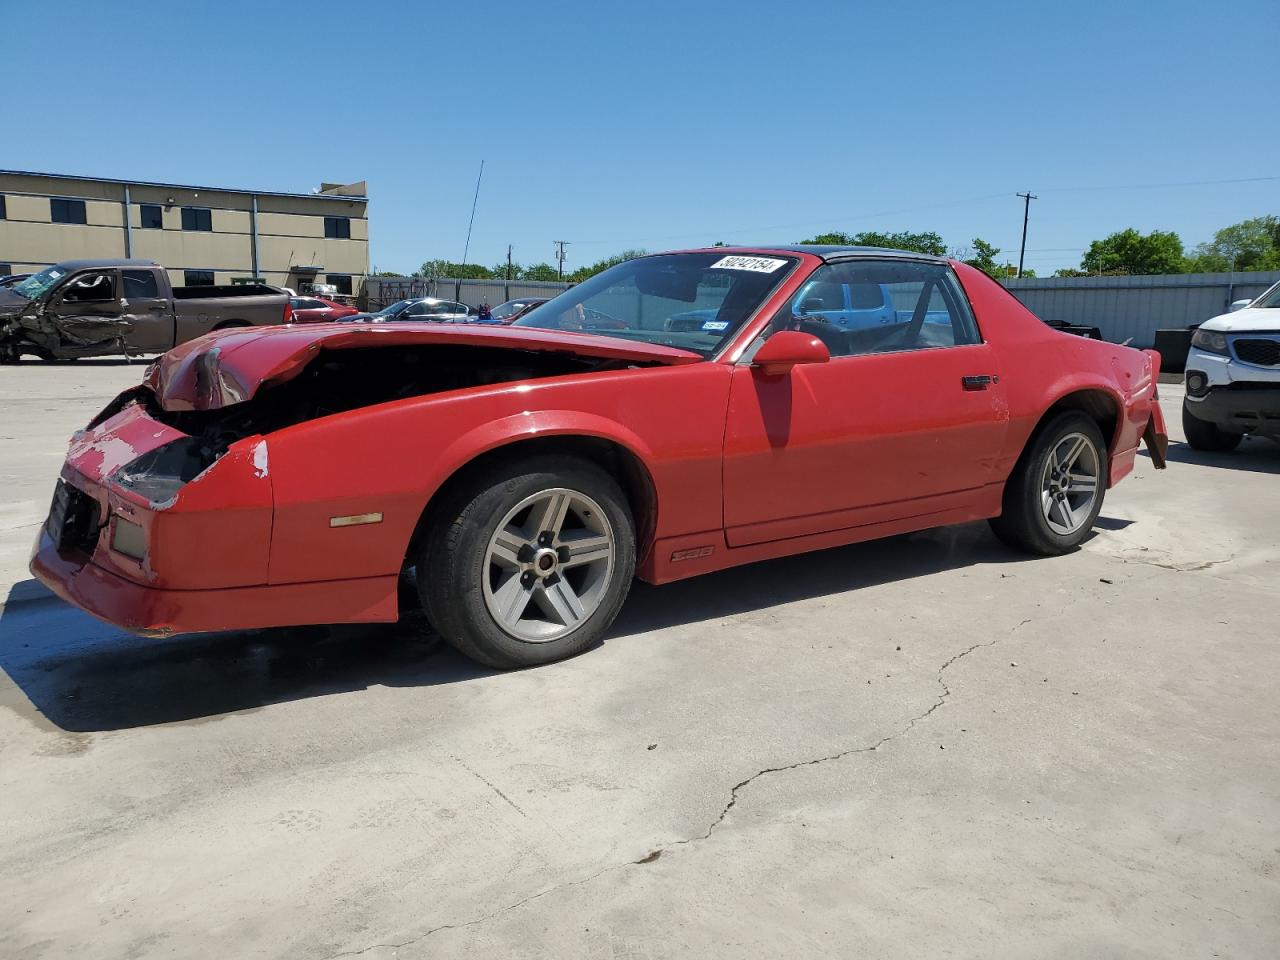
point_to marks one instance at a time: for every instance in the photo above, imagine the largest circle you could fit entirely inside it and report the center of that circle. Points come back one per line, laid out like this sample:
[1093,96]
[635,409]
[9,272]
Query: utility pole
[1026,215]
[560,245]
[508,261]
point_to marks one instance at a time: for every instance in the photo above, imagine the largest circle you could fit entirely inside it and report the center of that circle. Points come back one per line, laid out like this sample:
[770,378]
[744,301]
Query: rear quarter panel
[392,458]
[1039,366]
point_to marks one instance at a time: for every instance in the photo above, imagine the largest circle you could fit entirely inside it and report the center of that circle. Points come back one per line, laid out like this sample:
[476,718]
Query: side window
[139,284]
[90,288]
[880,306]
[419,309]
[151,217]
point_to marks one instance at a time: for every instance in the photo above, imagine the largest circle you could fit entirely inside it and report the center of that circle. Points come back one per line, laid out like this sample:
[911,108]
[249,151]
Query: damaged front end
[163,517]
[35,332]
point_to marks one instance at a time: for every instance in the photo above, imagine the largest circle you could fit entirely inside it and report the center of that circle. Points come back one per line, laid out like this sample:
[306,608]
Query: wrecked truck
[93,308]
[522,474]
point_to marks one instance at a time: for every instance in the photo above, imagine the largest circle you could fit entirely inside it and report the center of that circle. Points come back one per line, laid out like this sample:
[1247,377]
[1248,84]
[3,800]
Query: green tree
[902,240]
[454,271]
[538,271]
[583,272]
[1130,252]
[499,270]
[984,258]
[1252,244]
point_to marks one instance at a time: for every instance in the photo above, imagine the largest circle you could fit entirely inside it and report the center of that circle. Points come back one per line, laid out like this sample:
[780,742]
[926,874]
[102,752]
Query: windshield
[395,308]
[1269,299]
[38,283]
[695,301]
[508,309]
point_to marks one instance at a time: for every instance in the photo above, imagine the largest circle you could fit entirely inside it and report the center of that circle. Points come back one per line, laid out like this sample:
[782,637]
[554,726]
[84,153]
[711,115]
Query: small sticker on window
[716,325]
[754,264]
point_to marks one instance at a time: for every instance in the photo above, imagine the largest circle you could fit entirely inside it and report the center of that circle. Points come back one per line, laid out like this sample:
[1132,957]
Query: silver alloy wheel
[1069,485]
[548,565]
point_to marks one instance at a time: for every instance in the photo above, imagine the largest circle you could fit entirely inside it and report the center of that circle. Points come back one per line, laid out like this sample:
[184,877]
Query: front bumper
[1240,408]
[154,611]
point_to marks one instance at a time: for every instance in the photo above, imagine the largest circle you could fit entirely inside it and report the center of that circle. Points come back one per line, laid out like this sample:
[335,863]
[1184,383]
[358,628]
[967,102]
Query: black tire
[1022,524]
[452,560]
[1203,435]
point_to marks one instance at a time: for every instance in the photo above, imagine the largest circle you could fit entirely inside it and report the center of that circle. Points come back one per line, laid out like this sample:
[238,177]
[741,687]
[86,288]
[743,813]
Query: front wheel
[1055,492]
[1203,435]
[529,563]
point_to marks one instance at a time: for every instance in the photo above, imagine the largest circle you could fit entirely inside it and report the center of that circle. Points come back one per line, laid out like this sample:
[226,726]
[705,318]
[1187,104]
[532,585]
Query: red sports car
[676,414]
[318,310]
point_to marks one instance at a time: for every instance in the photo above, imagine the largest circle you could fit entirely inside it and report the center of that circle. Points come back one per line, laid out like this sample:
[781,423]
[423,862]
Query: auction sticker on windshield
[754,264]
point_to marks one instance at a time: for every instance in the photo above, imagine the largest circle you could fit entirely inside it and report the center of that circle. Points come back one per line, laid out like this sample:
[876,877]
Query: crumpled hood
[229,367]
[1245,320]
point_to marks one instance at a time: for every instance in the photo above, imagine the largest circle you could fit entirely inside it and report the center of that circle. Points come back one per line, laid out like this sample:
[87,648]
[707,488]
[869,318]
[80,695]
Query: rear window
[139,284]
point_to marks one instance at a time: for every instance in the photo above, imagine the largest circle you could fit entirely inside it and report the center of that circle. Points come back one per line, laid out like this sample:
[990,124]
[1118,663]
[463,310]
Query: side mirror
[787,349]
[1239,305]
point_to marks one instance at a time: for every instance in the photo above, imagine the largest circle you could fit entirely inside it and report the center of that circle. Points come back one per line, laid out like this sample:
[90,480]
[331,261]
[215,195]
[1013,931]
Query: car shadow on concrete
[85,676]
[1255,454]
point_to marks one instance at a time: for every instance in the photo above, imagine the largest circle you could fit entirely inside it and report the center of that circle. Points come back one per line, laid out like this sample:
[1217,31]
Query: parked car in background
[419,308]
[317,310]
[513,310]
[91,308]
[13,278]
[1232,376]
[524,473]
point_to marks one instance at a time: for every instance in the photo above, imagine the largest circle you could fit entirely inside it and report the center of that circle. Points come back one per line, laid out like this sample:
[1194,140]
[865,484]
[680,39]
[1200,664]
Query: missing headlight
[159,474]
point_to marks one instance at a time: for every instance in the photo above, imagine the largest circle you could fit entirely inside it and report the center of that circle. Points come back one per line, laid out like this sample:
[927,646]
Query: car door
[88,309]
[149,313]
[907,419]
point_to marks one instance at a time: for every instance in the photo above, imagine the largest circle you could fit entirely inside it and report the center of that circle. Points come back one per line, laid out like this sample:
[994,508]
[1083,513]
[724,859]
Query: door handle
[978,382]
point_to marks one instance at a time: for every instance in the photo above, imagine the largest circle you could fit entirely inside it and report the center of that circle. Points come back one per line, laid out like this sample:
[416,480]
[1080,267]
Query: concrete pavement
[926,746]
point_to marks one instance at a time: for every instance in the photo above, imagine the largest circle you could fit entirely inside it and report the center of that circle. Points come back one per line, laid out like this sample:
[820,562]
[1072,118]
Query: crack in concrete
[733,801]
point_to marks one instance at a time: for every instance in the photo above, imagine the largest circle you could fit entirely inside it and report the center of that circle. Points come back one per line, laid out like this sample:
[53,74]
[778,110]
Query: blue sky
[662,125]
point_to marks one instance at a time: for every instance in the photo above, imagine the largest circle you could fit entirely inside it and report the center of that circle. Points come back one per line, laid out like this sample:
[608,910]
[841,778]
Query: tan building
[201,235]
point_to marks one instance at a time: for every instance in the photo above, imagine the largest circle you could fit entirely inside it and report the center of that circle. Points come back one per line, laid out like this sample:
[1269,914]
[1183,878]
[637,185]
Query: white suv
[1233,376]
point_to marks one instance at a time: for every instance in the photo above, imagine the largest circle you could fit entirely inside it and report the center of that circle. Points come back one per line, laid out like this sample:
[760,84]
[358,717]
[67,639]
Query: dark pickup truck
[91,308]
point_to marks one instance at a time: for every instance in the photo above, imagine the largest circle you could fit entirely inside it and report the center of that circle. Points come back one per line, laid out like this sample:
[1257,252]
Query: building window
[4,214]
[66,211]
[6,269]
[341,281]
[197,278]
[152,218]
[337,228]
[197,218]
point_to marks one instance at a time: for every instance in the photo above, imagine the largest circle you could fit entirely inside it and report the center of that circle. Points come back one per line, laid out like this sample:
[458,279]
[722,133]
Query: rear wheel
[528,563]
[1055,492]
[1203,435]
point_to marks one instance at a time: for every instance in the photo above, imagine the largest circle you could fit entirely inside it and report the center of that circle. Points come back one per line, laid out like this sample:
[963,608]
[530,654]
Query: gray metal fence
[1123,308]
[1134,308]
[382,291]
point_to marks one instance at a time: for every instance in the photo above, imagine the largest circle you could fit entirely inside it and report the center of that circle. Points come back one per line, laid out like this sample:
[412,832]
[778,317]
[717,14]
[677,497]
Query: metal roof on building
[183,186]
